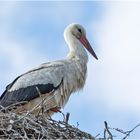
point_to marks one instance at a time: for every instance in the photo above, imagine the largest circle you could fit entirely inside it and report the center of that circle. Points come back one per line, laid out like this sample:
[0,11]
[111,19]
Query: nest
[28,126]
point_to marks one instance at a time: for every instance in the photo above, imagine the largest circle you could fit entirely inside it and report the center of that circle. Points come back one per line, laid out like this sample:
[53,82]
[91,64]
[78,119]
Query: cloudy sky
[32,33]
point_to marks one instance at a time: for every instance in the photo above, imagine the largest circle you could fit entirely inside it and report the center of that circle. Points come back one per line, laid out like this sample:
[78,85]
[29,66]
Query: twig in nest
[67,117]
[126,133]
[106,129]
[42,101]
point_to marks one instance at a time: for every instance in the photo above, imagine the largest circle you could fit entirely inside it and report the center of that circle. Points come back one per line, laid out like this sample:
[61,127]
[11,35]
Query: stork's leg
[55,109]
[51,111]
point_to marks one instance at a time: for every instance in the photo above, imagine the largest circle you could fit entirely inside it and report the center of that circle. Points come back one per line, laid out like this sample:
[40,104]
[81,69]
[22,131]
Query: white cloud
[117,72]
[16,57]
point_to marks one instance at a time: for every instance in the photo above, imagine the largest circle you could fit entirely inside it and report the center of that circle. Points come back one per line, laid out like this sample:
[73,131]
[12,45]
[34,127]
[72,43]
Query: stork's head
[77,32]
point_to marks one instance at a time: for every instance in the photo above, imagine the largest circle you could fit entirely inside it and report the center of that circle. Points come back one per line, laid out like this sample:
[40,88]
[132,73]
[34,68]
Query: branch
[106,129]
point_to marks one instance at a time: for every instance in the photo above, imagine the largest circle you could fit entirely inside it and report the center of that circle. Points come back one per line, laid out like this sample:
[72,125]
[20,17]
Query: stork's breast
[45,102]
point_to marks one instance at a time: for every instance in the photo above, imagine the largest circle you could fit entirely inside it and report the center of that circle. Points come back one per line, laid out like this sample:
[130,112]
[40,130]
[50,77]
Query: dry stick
[129,132]
[97,136]
[58,130]
[42,128]
[42,102]
[58,123]
[28,112]
[67,117]
[25,134]
[37,124]
[107,130]
[126,133]
[119,130]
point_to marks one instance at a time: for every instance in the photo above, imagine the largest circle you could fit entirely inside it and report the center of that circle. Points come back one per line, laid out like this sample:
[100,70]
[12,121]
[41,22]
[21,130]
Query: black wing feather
[25,94]
[11,84]
[8,87]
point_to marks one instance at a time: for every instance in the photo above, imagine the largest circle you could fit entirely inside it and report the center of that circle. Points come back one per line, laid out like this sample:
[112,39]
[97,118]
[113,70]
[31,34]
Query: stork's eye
[79,30]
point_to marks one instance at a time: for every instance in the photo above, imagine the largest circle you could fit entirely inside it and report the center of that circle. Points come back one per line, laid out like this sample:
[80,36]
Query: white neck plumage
[77,51]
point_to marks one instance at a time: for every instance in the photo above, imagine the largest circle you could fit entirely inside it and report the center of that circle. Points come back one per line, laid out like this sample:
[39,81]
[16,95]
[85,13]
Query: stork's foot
[56,109]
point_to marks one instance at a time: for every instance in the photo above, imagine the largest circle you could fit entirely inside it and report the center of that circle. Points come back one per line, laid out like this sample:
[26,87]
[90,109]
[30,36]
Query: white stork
[51,83]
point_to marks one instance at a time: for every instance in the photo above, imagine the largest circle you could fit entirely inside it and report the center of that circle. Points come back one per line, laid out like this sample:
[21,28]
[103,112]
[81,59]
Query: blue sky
[32,33]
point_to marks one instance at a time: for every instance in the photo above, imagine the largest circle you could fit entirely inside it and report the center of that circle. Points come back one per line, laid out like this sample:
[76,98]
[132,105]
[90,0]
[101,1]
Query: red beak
[87,45]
